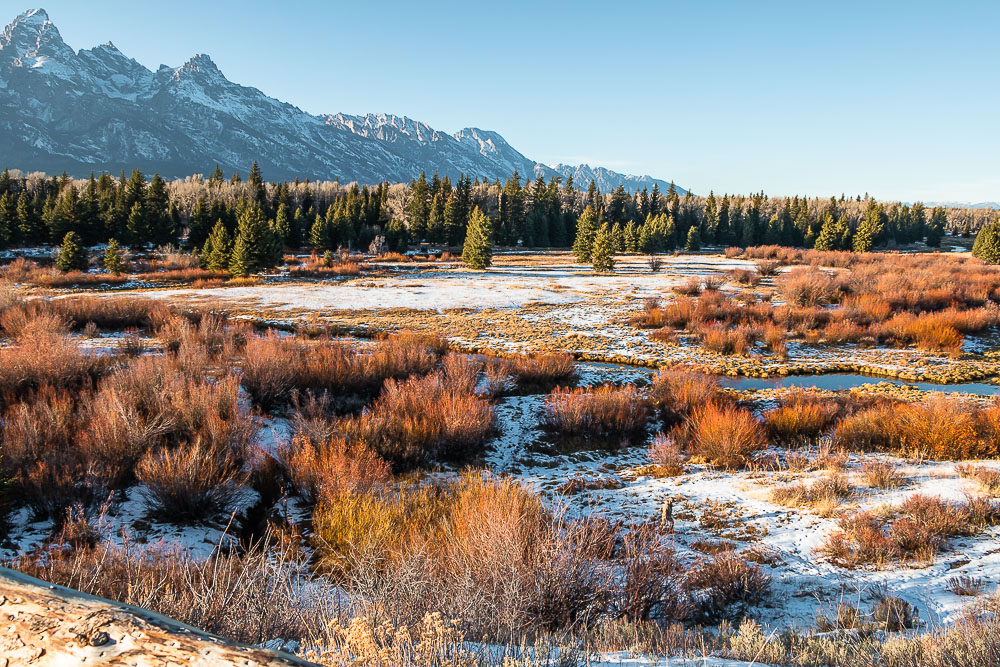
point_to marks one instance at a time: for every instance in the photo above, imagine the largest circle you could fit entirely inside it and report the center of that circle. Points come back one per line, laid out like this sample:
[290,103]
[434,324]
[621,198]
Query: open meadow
[764,455]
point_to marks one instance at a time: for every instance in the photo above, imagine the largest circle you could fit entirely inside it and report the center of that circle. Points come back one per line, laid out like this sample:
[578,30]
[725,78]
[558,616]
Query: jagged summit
[99,109]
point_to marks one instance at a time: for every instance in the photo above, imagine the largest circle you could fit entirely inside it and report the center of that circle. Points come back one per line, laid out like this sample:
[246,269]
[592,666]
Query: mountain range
[98,109]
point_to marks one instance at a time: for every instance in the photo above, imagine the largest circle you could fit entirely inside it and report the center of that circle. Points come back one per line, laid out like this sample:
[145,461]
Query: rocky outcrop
[43,625]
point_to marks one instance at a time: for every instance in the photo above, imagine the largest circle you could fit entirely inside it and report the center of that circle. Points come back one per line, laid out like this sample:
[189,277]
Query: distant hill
[98,109]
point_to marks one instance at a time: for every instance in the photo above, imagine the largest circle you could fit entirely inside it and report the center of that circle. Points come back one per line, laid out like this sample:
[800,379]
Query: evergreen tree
[257,248]
[397,235]
[8,217]
[435,221]
[693,242]
[319,236]
[987,244]
[137,225]
[827,239]
[602,254]
[419,207]
[710,221]
[870,228]
[72,255]
[28,223]
[477,252]
[283,224]
[160,224]
[257,190]
[113,261]
[215,254]
[772,235]
[936,227]
[453,225]
[586,230]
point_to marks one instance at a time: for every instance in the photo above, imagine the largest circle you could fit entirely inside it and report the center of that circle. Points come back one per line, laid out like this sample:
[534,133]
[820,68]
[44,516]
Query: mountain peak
[33,17]
[98,106]
[200,62]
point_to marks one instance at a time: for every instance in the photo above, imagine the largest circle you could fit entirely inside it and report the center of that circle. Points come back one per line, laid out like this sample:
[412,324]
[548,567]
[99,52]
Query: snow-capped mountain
[98,109]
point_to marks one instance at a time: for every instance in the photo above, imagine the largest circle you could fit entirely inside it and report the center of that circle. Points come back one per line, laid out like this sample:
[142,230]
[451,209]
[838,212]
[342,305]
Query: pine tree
[453,226]
[870,228]
[586,230]
[936,227]
[693,242]
[257,247]
[435,220]
[477,252]
[282,223]
[602,254]
[113,261]
[72,255]
[987,244]
[218,246]
[8,217]
[419,207]
[827,239]
[137,225]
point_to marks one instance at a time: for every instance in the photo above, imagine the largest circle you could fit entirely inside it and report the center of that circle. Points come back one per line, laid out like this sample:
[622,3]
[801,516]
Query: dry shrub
[30,321]
[727,340]
[870,429]
[487,553]
[726,436]
[274,366]
[652,580]
[768,268]
[363,641]
[965,585]
[726,585]
[942,429]
[675,392]
[893,614]
[988,479]
[866,309]
[251,597]
[603,411]
[191,482]
[744,277]
[109,313]
[665,453]
[800,419]
[317,267]
[541,370]
[64,365]
[149,405]
[881,475]
[921,528]
[334,467]
[824,494]
[732,252]
[810,287]
[693,286]
[774,338]
[422,418]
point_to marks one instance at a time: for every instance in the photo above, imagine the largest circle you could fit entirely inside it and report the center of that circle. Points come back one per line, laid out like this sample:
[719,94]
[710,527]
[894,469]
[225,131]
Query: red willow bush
[674,392]
[274,366]
[725,435]
[421,418]
[602,411]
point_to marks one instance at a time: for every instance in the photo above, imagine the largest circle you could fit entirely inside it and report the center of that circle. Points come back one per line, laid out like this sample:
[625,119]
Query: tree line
[219,217]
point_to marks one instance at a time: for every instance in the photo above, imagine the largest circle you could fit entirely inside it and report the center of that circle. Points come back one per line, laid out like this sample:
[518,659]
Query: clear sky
[899,99]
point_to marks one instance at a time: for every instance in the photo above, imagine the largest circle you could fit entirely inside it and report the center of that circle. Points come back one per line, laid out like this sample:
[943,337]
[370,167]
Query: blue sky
[899,99]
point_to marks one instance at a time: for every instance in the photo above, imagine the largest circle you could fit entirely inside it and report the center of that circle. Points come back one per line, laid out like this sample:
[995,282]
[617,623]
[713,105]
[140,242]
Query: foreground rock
[42,624]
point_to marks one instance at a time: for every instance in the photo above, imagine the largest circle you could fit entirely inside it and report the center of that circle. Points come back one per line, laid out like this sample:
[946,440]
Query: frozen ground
[542,302]
[716,505]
